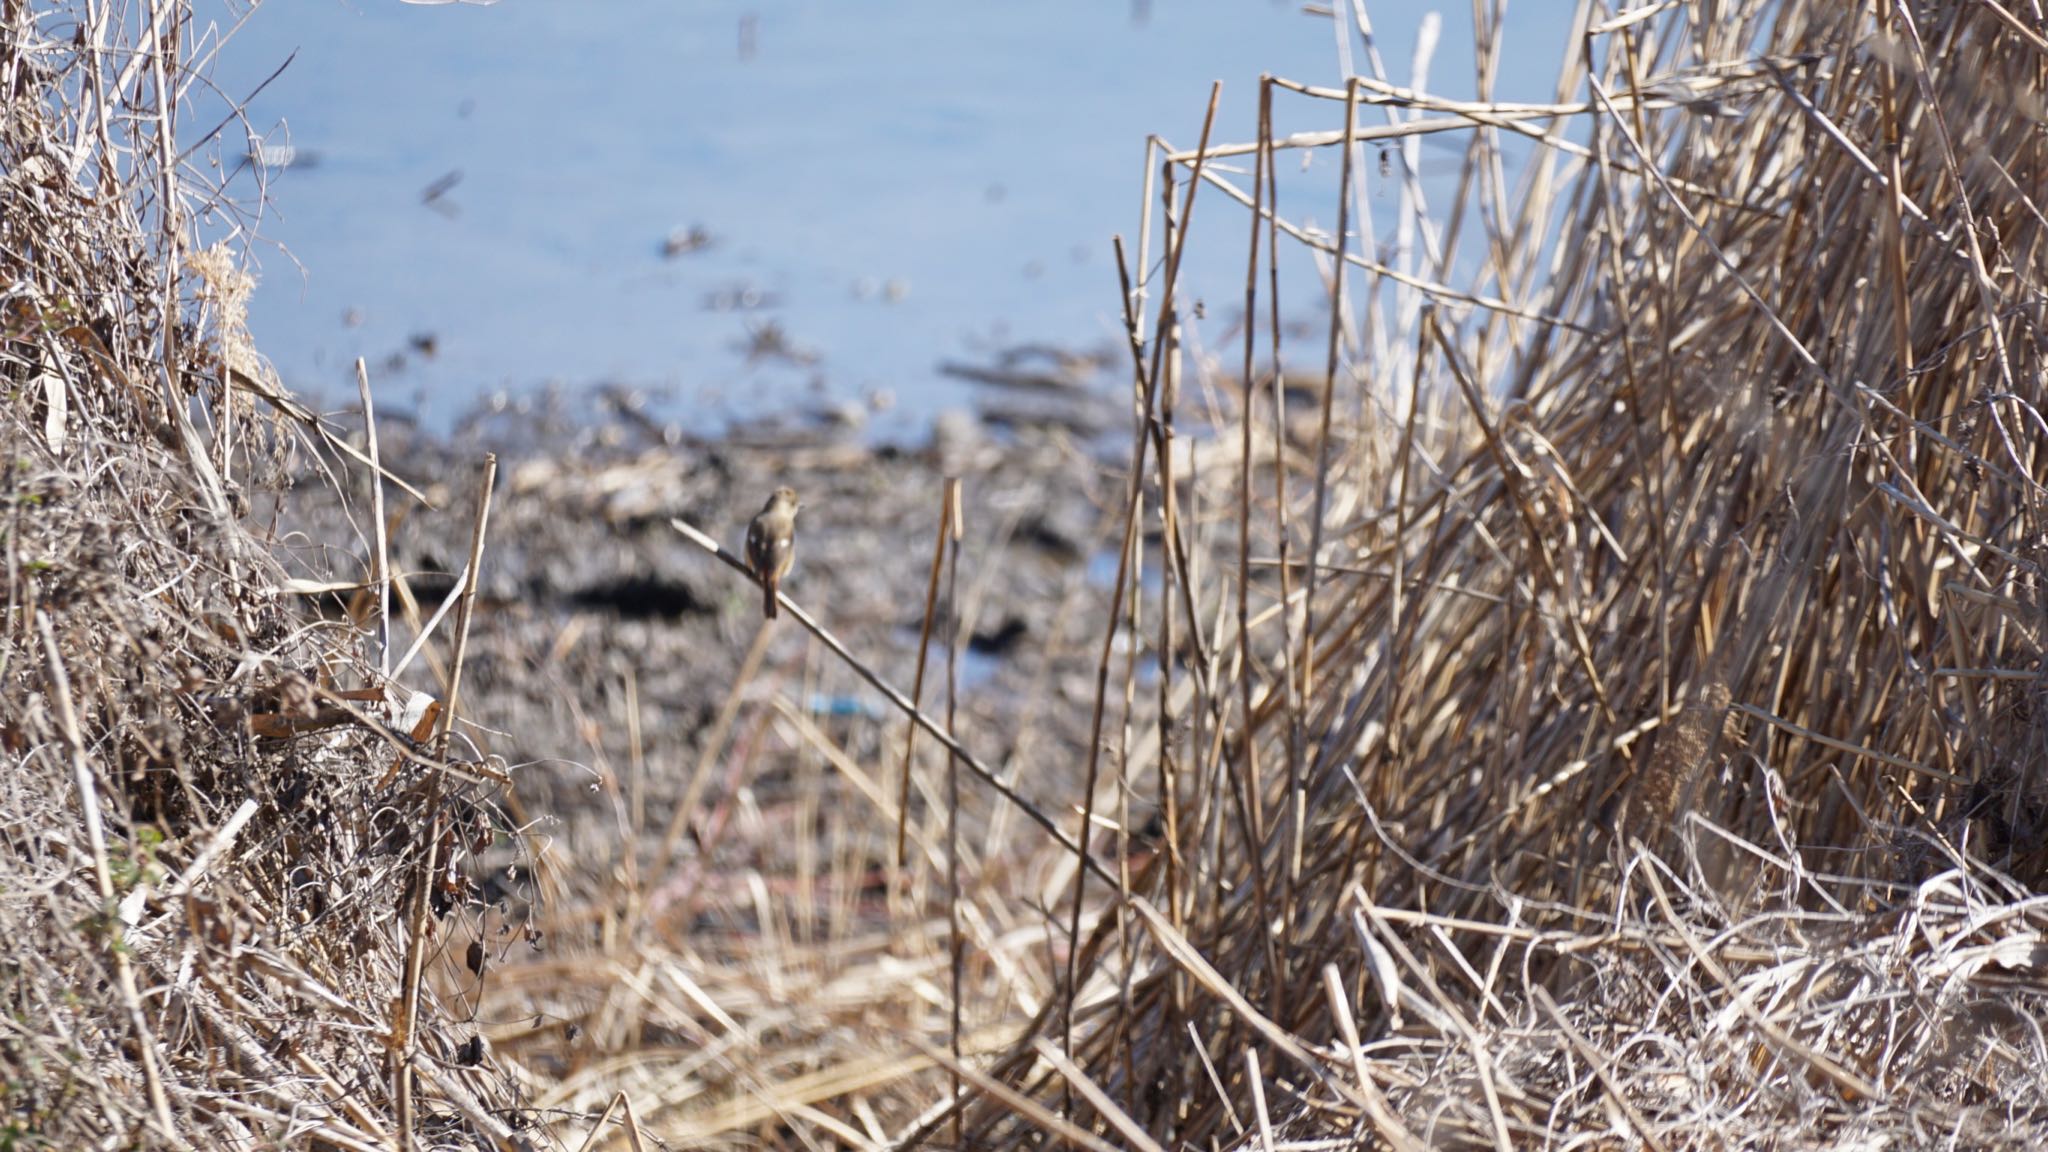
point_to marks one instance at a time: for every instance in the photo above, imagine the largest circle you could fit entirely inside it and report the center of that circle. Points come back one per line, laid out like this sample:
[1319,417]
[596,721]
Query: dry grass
[1608,717]
[1758,428]
[1649,755]
[221,841]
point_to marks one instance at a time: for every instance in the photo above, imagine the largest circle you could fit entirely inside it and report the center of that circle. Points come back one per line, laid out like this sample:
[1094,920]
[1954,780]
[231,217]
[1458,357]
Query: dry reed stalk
[425,880]
[1661,430]
[924,640]
[380,554]
[953,522]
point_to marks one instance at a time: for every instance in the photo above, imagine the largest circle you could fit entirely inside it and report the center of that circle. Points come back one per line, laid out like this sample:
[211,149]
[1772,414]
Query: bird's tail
[768,589]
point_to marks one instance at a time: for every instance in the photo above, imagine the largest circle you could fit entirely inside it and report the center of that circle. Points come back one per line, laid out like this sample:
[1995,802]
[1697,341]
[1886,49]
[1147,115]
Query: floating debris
[435,194]
[1033,368]
[768,340]
[684,241]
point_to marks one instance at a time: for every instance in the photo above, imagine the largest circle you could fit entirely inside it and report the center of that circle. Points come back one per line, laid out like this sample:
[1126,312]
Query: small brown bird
[771,544]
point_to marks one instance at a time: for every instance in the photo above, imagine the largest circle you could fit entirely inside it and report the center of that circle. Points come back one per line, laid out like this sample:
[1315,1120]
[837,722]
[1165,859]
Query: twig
[924,641]
[462,618]
[1255,1076]
[875,681]
[952,522]
[1377,1108]
[216,846]
[406,1027]
[380,558]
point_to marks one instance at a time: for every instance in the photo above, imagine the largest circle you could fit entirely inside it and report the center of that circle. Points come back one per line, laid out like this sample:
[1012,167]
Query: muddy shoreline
[606,644]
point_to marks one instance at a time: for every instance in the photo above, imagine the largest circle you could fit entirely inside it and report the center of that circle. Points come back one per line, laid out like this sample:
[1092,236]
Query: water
[481,195]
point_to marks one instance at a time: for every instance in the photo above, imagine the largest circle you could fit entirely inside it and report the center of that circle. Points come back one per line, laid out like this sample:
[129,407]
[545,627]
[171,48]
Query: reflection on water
[744,208]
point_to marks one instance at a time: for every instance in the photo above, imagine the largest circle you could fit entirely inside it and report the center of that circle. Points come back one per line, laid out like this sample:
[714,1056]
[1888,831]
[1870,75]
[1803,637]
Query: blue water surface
[482,194]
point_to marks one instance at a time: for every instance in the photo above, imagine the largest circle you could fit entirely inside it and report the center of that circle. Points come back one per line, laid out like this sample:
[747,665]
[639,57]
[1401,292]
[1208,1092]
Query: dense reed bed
[1618,721]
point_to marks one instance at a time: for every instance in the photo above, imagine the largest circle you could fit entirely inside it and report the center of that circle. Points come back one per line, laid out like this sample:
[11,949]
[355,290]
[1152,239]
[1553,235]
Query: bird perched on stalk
[771,544]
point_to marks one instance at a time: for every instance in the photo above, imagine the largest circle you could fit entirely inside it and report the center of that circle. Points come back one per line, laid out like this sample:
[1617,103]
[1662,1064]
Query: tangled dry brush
[221,846]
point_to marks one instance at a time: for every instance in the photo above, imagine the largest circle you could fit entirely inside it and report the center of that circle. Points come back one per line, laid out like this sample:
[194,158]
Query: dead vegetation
[1649,757]
[1642,758]
[223,848]
[1606,716]
[1648,760]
